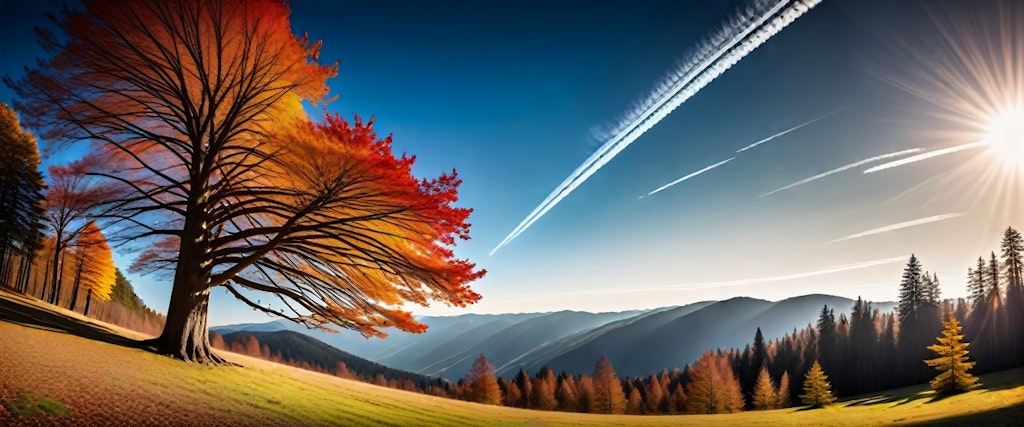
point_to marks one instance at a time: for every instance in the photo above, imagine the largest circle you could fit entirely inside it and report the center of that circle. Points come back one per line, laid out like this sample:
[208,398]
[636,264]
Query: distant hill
[300,349]
[637,342]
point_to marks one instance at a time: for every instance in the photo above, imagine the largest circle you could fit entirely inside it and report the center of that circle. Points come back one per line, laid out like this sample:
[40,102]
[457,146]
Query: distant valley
[637,342]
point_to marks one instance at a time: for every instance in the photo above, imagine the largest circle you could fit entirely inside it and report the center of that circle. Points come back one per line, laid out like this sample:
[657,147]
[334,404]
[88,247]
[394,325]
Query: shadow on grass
[26,314]
[1008,416]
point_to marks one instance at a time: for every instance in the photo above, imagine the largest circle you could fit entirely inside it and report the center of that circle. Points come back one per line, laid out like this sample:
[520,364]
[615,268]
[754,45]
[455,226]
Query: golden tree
[95,273]
[713,386]
[194,107]
[952,361]
[608,397]
[816,387]
[765,395]
[483,387]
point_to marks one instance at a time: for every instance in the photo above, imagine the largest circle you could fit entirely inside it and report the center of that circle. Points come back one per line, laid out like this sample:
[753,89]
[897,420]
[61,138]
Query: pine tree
[1013,271]
[765,395]
[975,287]
[21,194]
[816,387]
[952,361]
[918,322]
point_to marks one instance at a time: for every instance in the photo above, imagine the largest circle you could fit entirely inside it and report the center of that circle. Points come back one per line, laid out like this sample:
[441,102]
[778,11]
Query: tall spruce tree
[918,322]
[952,361]
[1013,272]
[827,337]
[863,357]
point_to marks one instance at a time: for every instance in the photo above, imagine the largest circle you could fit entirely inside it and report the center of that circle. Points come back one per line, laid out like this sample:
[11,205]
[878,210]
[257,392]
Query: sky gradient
[515,94]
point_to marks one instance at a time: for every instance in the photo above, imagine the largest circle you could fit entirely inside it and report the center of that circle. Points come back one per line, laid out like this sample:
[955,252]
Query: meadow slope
[102,383]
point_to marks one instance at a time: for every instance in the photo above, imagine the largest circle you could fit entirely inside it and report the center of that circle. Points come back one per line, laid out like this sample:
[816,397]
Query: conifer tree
[482,384]
[816,388]
[1013,271]
[918,322]
[952,361]
[783,393]
[21,186]
[713,387]
[765,395]
[608,395]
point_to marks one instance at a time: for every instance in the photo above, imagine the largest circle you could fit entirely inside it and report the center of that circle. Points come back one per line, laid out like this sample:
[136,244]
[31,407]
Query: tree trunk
[88,299]
[185,335]
[55,277]
[78,279]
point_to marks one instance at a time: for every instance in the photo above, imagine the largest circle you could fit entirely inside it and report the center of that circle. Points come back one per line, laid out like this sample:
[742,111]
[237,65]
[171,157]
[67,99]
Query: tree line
[866,352]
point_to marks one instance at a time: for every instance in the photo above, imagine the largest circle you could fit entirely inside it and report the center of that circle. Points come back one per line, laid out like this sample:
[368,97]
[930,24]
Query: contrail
[925,156]
[713,285]
[740,35]
[689,176]
[790,130]
[900,226]
[843,168]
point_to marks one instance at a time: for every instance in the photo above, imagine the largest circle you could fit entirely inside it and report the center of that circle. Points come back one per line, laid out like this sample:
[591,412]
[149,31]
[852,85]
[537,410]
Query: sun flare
[1005,135]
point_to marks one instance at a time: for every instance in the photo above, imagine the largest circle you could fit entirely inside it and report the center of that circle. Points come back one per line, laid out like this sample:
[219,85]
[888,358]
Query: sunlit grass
[103,382]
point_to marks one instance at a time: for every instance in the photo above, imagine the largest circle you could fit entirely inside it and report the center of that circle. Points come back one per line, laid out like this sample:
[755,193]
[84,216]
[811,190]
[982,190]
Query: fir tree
[952,361]
[482,384]
[816,387]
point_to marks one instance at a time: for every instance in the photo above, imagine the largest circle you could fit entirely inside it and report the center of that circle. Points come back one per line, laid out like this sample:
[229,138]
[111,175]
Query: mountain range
[638,343]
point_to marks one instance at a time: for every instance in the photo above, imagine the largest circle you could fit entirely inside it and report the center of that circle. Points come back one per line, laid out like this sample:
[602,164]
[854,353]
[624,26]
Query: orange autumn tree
[95,271]
[194,108]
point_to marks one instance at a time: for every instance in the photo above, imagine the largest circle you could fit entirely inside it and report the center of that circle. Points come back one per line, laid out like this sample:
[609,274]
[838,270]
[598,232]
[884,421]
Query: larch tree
[95,272]
[713,387]
[21,186]
[952,362]
[816,387]
[482,384]
[783,400]
[608,398]
[765,395]
[194,107]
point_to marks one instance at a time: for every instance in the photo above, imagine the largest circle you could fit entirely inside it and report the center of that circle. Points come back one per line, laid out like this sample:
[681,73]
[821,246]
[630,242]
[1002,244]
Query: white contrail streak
[740,35]
[901,225]
[790,130]
[714,285]
[843,168]
[925,156]
[690,176]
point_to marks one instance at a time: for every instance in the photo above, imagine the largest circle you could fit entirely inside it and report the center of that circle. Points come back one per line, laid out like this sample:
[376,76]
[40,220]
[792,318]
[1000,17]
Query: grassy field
[52,376]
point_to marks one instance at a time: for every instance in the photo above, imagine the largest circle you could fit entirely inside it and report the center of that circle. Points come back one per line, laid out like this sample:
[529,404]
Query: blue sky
[510,93]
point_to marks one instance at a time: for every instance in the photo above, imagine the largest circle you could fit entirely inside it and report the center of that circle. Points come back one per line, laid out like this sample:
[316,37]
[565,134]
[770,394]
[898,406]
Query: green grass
[28,406]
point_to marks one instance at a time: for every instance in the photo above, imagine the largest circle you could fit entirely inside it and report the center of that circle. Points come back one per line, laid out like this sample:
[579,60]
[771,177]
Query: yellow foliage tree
[952,361]
[96,265]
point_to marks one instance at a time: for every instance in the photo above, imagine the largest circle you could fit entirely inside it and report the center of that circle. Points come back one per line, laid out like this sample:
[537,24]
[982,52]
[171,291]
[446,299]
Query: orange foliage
[97,269]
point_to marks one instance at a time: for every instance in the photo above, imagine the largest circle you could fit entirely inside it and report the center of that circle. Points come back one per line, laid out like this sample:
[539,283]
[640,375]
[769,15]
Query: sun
[1005,135]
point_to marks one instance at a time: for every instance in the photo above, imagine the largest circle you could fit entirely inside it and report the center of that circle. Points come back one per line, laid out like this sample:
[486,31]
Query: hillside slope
[104,384]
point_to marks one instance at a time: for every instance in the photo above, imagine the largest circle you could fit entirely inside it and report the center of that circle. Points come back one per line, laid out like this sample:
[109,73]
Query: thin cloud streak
[690,176]
[925,156]
[843,168]
[790,130]
[715,285]
[901,225]
[740,35]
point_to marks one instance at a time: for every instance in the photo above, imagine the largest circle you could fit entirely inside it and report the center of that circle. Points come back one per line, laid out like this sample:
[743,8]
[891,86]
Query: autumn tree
[608,397]
[765,395]
[952,362]
[72,197]
[95,272]
[21,186]
[566,395]
[194,107]
[783,392]
[713,387]
[816,387]
[482,384]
